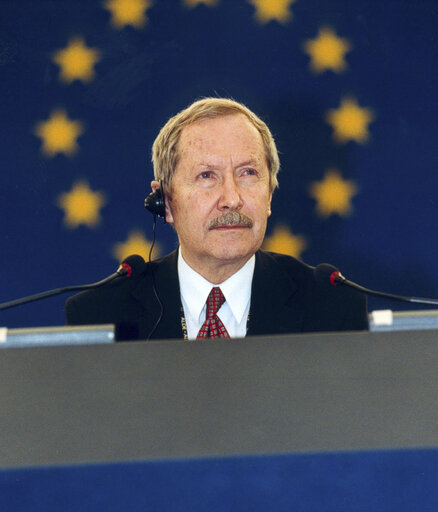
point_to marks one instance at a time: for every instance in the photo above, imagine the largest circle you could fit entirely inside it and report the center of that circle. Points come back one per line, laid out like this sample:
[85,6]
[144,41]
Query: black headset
[155,202]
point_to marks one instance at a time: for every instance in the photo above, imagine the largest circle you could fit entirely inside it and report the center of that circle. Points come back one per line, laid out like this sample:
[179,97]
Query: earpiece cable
[153,281]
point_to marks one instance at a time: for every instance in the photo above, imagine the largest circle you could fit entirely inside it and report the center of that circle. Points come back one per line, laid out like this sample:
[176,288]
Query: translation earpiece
[155,204]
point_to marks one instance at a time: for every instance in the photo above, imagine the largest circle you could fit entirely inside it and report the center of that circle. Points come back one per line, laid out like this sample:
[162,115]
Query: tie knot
[215,300]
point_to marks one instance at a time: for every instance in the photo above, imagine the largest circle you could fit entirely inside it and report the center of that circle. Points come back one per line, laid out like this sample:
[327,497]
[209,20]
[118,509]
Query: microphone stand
[338,278]
[122,271]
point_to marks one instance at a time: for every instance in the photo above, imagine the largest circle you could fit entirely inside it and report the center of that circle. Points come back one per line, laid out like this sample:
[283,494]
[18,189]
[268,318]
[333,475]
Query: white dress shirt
[237,292]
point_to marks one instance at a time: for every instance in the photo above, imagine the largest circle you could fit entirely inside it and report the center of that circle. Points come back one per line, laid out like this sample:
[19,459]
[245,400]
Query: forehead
[231,135]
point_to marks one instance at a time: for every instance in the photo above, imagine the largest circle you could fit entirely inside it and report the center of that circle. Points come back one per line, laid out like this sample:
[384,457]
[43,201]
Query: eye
[206,179]
[249,172]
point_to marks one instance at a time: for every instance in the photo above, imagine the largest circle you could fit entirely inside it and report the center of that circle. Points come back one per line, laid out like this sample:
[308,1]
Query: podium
[327,421]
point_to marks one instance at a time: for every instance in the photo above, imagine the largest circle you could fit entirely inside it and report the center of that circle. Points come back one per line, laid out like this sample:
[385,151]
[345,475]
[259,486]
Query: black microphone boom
[331,274]
[131,265]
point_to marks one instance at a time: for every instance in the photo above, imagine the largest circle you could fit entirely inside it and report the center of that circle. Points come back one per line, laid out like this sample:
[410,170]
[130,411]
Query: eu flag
[349,90]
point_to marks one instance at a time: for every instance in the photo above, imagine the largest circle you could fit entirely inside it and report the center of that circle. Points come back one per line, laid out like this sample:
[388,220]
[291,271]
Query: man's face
[220,198]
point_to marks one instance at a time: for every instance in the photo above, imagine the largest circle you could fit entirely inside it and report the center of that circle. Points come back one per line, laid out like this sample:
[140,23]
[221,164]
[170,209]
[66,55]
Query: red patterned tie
[213,326]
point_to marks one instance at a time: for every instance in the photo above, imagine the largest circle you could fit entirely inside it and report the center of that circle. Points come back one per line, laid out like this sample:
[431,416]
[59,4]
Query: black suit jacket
[285,298]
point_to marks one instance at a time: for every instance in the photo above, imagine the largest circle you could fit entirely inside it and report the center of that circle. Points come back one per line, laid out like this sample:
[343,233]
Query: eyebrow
[242,164]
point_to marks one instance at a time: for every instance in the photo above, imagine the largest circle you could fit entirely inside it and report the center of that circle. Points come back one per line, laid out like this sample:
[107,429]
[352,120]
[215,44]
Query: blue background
[382,481]
[146,75]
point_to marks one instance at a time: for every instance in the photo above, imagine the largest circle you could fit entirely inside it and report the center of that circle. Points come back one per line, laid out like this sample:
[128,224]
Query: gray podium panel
[137,401]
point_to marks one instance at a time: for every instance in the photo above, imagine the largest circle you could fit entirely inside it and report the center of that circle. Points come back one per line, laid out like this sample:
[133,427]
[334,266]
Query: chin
[234,252]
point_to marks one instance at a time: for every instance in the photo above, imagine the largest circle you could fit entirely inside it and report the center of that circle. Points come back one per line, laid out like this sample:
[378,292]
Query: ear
[269,205]
[155,185]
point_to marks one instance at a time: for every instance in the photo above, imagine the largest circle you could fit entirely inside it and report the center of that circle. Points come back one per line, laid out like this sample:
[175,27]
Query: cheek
[260,206]
[192,212]
[203,205]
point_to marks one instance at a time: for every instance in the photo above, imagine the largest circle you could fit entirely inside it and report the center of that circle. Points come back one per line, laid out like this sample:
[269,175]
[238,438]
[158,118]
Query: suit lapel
[277,299]
[165,275]
[277,303]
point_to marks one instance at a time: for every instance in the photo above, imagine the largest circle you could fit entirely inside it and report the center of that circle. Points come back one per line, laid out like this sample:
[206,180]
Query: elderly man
[216,164]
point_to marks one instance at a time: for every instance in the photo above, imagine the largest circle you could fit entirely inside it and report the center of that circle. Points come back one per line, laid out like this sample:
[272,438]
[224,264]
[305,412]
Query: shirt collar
[236,289]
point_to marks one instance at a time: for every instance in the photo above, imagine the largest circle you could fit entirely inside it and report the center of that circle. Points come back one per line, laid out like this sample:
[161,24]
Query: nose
[230,198]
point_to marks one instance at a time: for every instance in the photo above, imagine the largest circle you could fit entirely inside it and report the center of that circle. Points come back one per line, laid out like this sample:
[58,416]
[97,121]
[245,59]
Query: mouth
[229,228]
[231,220]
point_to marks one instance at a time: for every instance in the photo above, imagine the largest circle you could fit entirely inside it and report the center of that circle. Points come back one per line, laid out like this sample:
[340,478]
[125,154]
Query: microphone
[327,274]
[132,265]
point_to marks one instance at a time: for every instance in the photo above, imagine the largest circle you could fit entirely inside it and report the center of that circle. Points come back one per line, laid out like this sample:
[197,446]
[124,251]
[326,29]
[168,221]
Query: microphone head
[132,265]
[326,274]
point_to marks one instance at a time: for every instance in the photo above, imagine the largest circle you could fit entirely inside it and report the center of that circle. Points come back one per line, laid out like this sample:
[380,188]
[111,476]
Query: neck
[216,272]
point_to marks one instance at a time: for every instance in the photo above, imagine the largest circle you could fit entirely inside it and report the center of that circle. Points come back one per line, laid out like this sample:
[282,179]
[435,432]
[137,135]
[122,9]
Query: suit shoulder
[82,307]
[287,264]
[108,300]
[282,259]
[328,307]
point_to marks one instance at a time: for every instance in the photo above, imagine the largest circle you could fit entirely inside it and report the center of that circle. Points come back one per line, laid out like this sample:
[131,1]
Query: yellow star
[135,244]
[333,194]
[128,12]
[284,242]
[327,51]
[81,205]
[194,3]
[350,121]
[59,134]
[76,61]
[267,10]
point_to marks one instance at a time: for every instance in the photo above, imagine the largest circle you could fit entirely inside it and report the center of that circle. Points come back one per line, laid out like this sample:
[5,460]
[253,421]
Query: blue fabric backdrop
[349,90]
[384,481]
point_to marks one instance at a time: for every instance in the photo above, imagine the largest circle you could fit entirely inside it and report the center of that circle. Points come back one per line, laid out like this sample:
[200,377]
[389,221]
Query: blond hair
[165,153]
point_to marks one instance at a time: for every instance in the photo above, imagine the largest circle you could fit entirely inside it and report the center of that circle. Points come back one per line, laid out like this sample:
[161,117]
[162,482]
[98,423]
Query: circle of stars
[327,52]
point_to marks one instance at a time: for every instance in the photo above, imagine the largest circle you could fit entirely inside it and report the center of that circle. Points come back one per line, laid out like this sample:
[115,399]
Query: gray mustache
[231,219]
